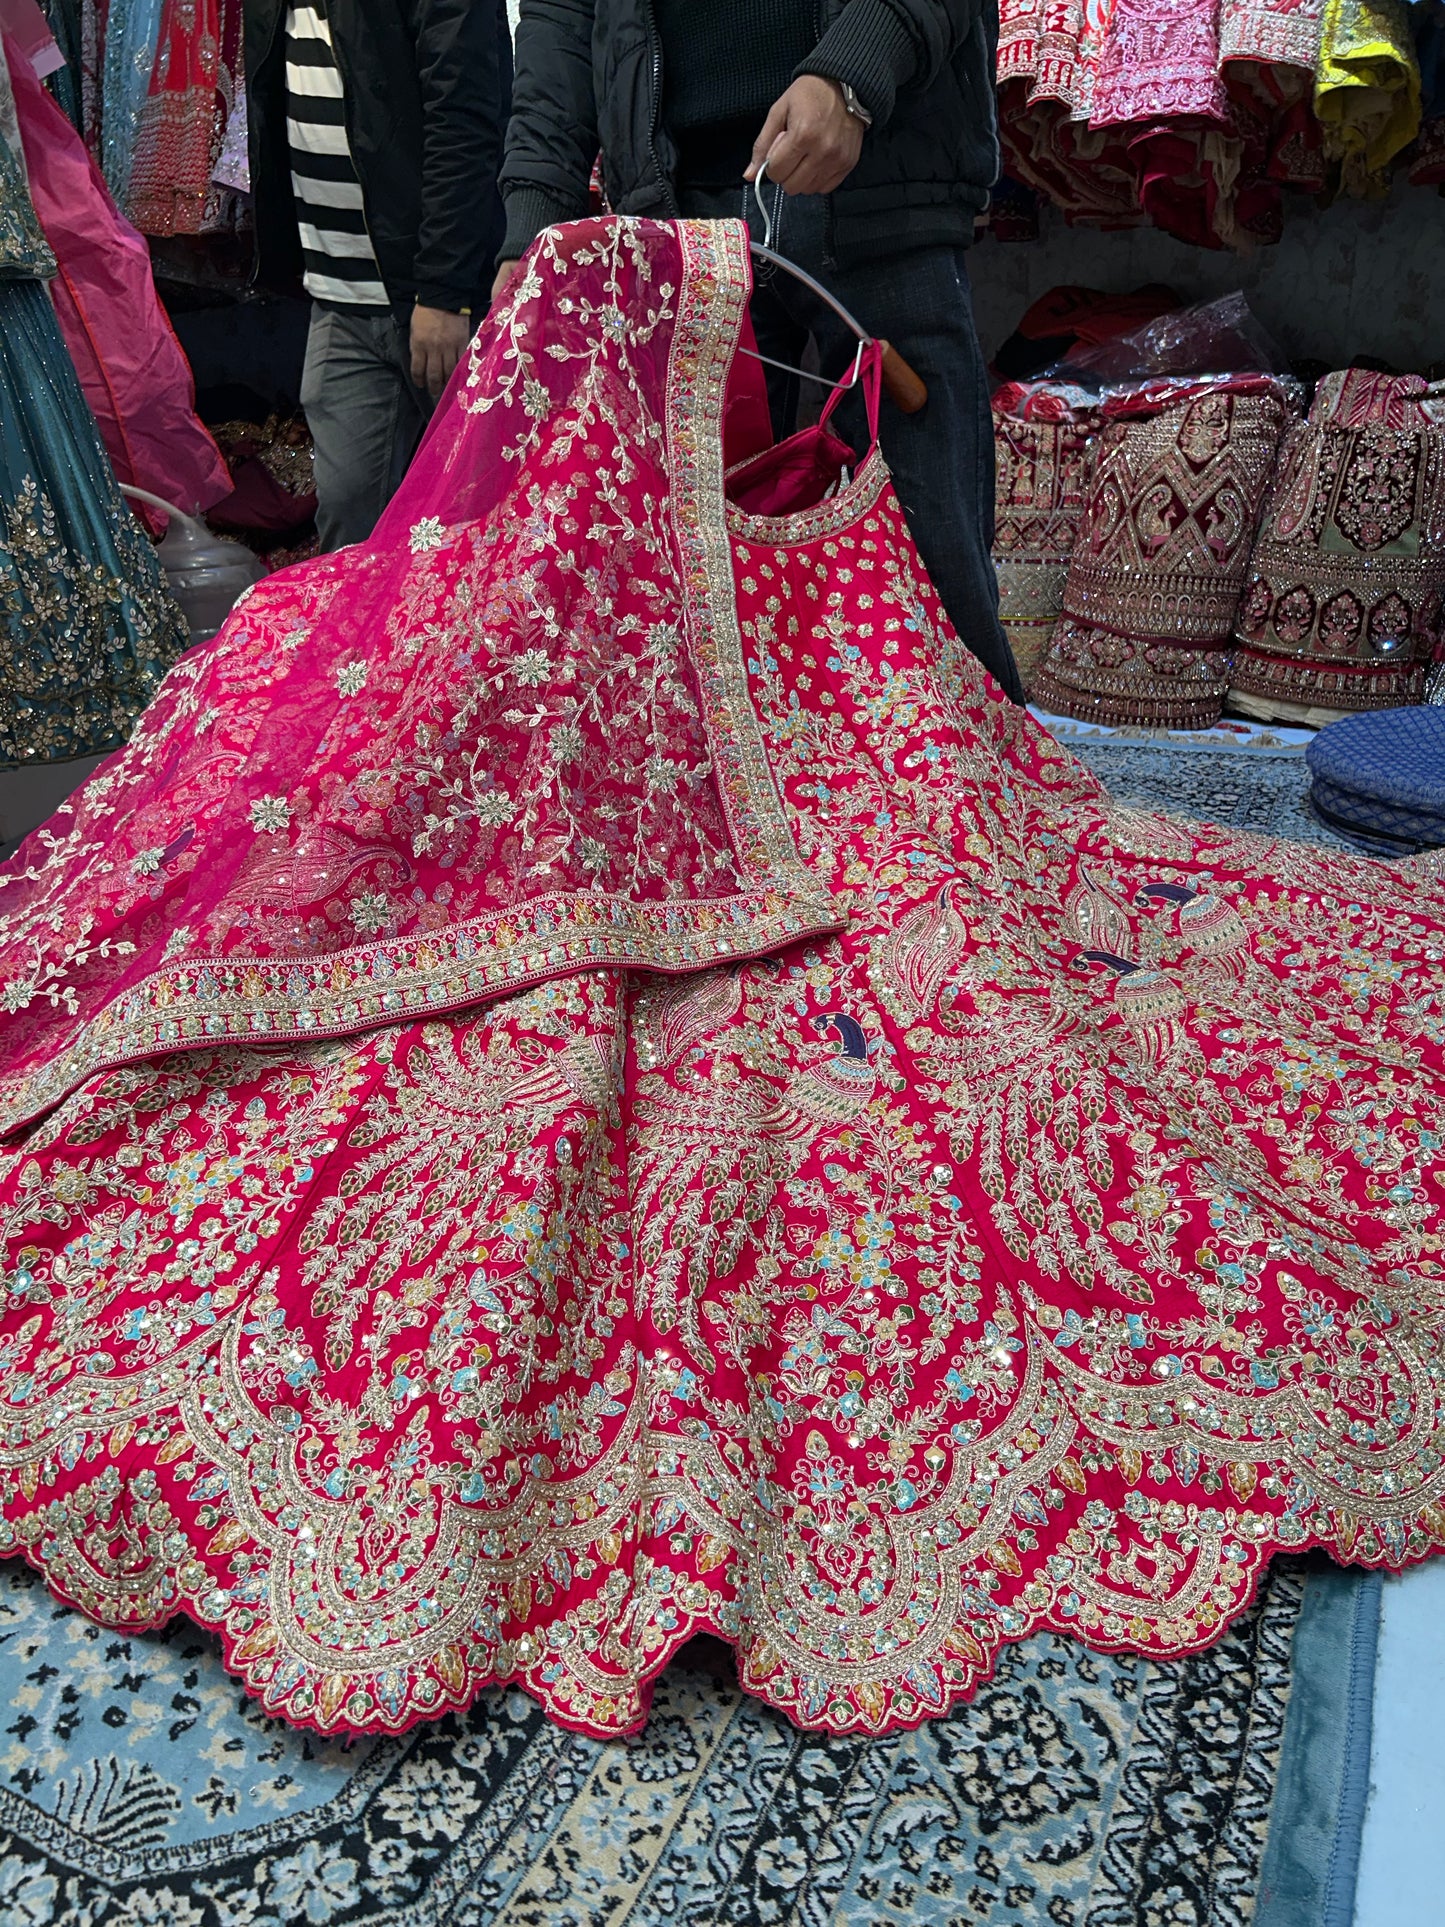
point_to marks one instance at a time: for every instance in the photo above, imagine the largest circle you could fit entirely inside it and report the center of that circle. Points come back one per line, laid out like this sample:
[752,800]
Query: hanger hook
[758,180]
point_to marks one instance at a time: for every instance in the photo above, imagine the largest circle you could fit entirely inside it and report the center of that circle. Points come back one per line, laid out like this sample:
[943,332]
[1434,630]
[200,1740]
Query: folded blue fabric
[1381,776]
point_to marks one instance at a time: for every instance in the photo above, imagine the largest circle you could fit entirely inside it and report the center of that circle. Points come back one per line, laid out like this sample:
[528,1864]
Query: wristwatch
[854,105]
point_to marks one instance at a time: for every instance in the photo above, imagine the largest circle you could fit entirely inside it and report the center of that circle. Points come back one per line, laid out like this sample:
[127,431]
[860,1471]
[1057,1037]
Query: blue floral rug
[140,1788]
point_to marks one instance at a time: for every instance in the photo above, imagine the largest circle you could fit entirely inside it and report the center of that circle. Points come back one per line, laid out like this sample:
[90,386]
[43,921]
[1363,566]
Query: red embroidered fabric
[197,71]
[1187,114]
[509,734]
[1046,1245]
[1345,603]
[1044,434]
[1153,587]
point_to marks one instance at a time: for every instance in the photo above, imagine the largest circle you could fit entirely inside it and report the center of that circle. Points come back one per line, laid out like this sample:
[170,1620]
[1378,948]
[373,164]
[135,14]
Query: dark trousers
[941,459]
[366,416]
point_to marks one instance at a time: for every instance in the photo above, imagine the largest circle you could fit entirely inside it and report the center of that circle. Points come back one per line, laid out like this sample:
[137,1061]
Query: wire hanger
[764,251]
[905,388]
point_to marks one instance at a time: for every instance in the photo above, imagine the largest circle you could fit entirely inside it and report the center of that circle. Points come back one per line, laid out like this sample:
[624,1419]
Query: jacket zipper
[277,33]
[654,39]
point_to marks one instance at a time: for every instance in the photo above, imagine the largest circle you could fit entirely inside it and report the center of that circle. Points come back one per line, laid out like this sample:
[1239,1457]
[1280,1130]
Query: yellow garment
[1367,89]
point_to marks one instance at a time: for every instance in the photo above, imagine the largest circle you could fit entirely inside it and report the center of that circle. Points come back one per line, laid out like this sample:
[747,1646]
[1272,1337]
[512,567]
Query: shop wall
[1356,278]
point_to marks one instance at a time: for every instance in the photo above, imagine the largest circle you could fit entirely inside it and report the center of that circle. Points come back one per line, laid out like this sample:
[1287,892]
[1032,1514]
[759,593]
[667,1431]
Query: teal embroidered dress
[87,624]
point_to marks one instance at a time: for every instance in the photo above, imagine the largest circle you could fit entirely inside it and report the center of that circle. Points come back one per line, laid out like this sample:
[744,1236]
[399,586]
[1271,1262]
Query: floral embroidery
[270,813]
[1046,1245]
[1155,581]
[546,755]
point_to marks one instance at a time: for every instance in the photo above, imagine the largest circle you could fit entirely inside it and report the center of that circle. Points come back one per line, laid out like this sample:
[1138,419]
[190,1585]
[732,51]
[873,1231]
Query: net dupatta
[506,739]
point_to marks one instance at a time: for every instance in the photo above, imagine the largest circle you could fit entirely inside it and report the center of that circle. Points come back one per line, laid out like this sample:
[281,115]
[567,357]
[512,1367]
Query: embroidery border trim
[825,518]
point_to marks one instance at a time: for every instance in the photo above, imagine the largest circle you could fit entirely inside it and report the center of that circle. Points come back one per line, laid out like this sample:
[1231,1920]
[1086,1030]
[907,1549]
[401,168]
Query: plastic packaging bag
[1211,338]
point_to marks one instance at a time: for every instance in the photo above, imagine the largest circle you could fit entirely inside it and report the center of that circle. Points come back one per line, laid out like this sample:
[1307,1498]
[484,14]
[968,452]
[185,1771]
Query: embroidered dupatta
[507,738]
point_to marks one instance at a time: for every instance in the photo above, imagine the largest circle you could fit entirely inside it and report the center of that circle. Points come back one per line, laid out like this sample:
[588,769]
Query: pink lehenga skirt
[585,1077]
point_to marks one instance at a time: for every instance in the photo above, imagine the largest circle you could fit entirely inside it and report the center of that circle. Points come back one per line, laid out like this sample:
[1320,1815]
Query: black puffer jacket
[589,76]
[427,89]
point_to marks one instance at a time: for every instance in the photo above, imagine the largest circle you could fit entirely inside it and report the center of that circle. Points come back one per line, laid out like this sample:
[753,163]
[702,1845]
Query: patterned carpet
[1249,792]
[140,1788]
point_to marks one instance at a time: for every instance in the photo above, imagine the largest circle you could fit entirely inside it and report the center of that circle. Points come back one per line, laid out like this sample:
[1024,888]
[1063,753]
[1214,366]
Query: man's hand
[438,342]
[502,280]
[810,141]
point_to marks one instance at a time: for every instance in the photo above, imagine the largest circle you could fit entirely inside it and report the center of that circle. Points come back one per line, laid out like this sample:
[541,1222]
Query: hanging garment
[1047,61]
[26,26]
[1146,634]
[1342,610]
[1271,33]
[87,625]
[1367,89]
[133,370]
[1269,52]
[448,1248]
[24,252]
[132,30]
[1043,441]
[1159,63]
[65,83]
[1191,115]
[182,125]
[1211,131]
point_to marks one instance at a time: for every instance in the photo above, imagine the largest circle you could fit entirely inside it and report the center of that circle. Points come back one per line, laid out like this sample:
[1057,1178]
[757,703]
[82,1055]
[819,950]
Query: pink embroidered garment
[441,1247]
[131,366]
[1186,113]
[1048,58]
[195,80]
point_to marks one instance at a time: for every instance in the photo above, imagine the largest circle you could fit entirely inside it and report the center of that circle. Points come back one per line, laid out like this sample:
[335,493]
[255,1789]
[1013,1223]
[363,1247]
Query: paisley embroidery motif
[1154,584]
[1344,606]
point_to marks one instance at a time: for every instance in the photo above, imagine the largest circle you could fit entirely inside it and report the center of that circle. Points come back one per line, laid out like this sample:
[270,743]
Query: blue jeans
[941,459]
[366,416]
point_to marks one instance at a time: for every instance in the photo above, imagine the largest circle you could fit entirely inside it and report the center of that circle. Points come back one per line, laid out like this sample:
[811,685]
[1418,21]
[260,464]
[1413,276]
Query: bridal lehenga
[585,1078]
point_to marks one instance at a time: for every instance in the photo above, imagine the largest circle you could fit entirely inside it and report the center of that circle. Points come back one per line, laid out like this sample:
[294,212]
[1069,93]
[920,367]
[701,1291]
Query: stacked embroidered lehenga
[442,1245]
[1344,607]
[1146,633]
[1044,434]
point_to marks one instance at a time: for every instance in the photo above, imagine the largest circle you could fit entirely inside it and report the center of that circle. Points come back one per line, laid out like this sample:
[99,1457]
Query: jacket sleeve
[461,68]
[882,46]
[552,135]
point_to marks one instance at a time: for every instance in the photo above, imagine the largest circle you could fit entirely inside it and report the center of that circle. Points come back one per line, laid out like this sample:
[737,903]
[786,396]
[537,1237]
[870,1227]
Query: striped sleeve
[337,254]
